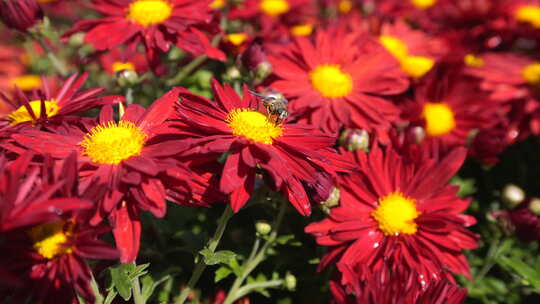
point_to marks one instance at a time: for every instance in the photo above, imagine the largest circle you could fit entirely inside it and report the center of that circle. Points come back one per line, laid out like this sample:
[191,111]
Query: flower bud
[126,78]
[76,40]
[534,205]
[263,227]
[255,60]
[333,198]
[290,281]
[20,14]
[355,139]
[513,195]
[526,222]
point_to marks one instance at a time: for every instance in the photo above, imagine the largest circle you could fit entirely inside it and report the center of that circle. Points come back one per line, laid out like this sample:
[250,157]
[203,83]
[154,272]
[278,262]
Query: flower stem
[137,295]
[237,290]
[58,65]
[212,245]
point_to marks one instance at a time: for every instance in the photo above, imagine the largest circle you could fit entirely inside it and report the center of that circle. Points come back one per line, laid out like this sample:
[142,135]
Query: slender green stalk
[237,290]
[137,295]
[247,289]
[58,65]
[212,245]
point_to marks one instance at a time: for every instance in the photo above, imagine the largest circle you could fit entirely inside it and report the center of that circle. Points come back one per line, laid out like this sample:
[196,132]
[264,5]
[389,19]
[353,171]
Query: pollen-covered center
[529,14]
[253,125]
[274,8]
[27,82]
[345,6]
[331,81]
[439,119]
[423,4]
[23,115]
[112,143]
[118,66]
[531,74]
[302,29]
[149,12]
[396,214]
[50,240]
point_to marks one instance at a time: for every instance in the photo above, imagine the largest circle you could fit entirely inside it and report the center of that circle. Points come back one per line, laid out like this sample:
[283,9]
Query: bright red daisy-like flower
[292,155]
[44,106]
[158,24]
[115,61]
[333,86]
[128,156]
[449,107]
[385,286]
[416,51]
[401,211]
[50,257]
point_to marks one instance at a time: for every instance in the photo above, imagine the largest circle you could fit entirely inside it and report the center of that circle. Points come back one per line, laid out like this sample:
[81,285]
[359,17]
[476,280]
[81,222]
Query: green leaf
[218,257]
[148,285]
[284,239]
[110,296]
[523,270]
[121,281]
[222,273]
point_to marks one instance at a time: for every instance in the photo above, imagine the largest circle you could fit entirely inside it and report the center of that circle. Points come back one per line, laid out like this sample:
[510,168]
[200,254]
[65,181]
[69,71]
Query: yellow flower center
[345,6]
[22,115]
[217,4]
[46,1]
[118,66]
[149,12]
[414,66]
[417,66]
[531,73]
[237,38]
[473,61]
[274,8]
[423,4]
[396,213]
[112,143]
[529,14]
[302,29]
[50,239]
[27,82]
[253,125]
[330,81]
[439,119]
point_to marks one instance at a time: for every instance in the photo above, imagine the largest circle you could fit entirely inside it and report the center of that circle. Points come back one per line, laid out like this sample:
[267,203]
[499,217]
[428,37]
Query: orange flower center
[439,119]
[111,143]
[237,38]
[217,4]
[302,29]
[345,6]
[531,74]
[274,8]
[331,81]
[529,14]
[50,239]
[423,4]
[396,214]
[473,61]
[23,115]
[27,82]
[253,125]
[118,66]
[149,12]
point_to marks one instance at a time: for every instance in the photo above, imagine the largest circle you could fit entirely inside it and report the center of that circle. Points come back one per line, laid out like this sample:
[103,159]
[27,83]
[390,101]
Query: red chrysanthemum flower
[270,13]
[401,211]
[128,156]
[292,155]
[525,220]
[449,107]
[385,286]
[340,86]
[115,61]
[20,14]
[50,258]
[157,24]
[514,81]
[416,51]
[44,106]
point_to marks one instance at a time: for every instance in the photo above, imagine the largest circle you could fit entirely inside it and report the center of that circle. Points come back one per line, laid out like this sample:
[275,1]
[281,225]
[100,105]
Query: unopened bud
[290,281]
[333,198]
[127,78]
[263,70]
[355,139]
[513,195]
[233,73]
[76,40]
[263,227]
[20,15]
[534,206]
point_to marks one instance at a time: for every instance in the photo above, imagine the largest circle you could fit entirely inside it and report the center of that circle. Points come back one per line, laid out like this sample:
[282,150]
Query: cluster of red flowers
[420,85]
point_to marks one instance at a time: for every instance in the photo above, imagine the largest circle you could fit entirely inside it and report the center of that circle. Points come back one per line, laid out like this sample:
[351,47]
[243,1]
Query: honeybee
[275,104]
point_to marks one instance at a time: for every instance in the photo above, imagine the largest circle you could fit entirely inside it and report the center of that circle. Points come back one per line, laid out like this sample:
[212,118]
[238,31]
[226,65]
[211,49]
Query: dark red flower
[334,87]
[290,154]
[157,24]
[525,222]
[131,157]
[45,106]
[400,211]
[20,14]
